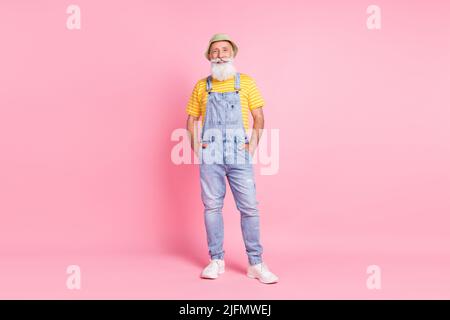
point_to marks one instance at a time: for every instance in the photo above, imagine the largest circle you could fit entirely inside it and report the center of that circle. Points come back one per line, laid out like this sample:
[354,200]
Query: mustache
[217,60]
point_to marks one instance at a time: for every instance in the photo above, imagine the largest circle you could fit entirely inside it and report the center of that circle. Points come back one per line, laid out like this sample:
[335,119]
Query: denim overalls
[222,154]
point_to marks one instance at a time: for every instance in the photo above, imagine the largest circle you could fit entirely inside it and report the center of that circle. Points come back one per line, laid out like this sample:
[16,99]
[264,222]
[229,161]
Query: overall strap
[208,84]
[237,81]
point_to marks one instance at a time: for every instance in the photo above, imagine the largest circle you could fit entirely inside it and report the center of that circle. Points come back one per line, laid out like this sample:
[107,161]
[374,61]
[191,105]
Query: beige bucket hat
[221,37]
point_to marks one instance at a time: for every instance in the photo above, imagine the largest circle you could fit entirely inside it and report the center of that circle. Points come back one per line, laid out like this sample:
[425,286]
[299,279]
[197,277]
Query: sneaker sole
[209,277]
[251,276]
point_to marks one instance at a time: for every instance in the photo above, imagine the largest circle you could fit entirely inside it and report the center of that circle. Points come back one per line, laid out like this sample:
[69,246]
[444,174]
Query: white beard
[222,71]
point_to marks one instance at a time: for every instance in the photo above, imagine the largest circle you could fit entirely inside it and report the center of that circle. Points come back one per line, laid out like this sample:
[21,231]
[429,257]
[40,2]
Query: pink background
[86,176]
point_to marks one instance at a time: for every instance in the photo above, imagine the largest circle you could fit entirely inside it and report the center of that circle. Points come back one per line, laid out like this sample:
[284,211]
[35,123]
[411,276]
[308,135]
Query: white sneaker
[262,273]
[214,269]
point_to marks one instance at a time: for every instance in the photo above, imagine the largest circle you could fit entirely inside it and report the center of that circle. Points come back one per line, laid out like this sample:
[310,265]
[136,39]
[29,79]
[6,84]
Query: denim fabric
[223,155]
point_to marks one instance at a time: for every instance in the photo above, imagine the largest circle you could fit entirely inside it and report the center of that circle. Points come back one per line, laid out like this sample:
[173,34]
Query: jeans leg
[242,184]
[212,180]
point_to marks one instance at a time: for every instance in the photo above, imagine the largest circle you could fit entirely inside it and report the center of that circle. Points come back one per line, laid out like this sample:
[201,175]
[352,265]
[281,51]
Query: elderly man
[223,100]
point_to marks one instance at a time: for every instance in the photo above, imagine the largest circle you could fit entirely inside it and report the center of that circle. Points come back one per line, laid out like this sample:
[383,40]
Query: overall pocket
[208,150]
[243,156]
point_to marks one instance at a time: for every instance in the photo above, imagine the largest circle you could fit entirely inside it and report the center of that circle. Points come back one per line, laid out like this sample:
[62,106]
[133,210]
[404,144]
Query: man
[223,100]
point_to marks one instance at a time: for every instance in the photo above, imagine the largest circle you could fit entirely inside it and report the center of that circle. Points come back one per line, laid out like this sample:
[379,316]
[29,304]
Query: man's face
[221,50]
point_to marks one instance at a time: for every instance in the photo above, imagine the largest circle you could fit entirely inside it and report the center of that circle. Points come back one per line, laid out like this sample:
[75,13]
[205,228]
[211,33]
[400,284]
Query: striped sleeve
[193,106]
[255,100]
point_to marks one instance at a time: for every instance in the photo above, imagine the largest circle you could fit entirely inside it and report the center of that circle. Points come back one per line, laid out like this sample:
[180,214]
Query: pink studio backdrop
[86,118]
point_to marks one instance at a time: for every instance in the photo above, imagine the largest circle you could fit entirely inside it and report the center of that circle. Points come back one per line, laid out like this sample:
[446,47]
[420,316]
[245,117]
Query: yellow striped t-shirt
[250,96]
